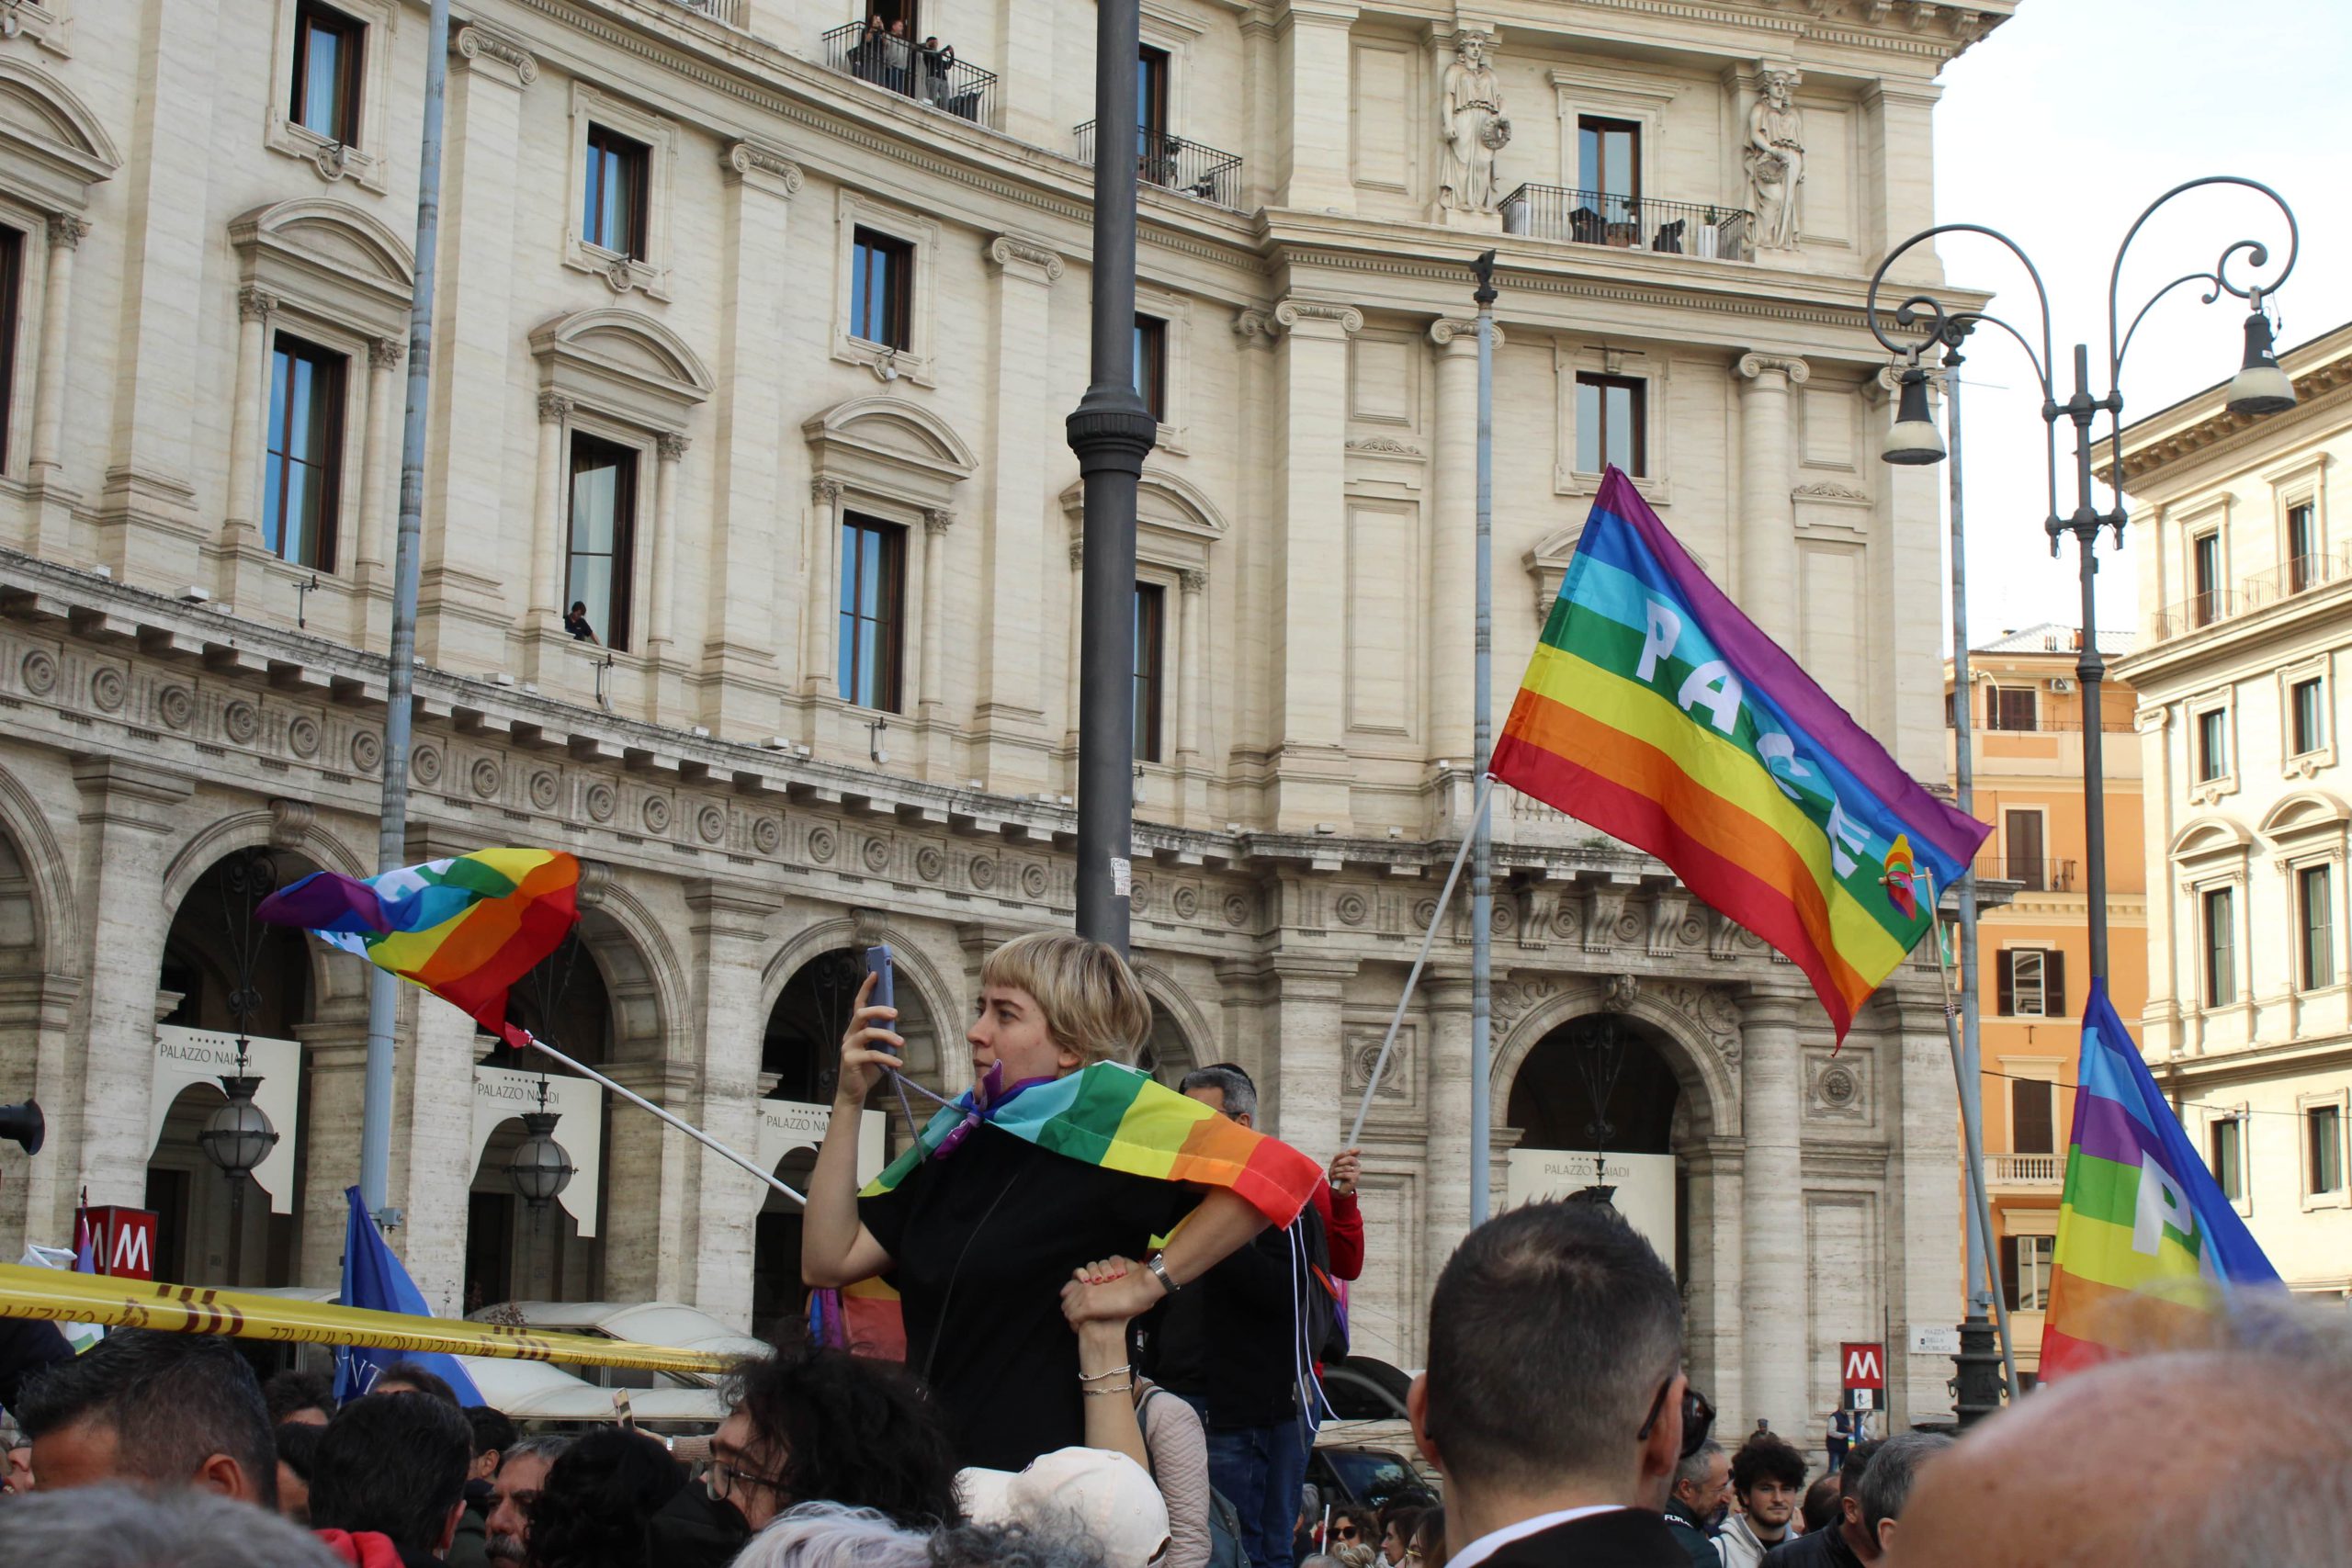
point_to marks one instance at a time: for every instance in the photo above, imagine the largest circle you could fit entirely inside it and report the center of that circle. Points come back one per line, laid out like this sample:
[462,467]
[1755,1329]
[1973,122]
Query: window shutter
[2054,985]
[2006,1002]
[2009,1271]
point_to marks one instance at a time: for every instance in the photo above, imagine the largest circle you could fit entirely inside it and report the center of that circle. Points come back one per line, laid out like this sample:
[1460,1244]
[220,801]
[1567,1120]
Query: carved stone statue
[1474,125]
[1776,163]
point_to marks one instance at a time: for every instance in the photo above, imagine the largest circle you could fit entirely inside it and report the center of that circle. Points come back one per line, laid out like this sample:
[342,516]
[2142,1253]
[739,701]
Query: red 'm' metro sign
[1862,1366]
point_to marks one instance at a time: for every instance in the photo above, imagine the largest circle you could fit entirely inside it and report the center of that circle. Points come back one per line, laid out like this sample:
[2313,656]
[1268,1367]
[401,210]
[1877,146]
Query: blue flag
[373,1278]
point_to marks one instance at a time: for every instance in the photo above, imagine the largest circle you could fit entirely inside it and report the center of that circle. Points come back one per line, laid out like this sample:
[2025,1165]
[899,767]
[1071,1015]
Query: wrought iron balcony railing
[929,76]
[2033,875]
[2299,574]
[728,11]
[1630,223]
[1173,163]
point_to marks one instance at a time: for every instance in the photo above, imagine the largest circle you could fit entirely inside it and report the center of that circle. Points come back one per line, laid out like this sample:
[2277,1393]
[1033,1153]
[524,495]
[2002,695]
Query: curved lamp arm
[2257,255]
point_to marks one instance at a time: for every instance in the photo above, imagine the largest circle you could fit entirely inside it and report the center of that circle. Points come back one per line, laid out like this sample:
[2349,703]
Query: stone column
[1010,752]
[246,438]
[1305,1109]
[1445,1183]
[1312,771]
[1313,38]
[1026,36]
[1453,543]
[743,633]
[126,814]
[377,476]
[729,927]
[547,545]
[335,1060]
[819,674]
[432,1163]
[56,331]
[930,666]
[1767,535]
[1775,1325]
[1191,583]
[669,450]
[1072,659]
[648,1238]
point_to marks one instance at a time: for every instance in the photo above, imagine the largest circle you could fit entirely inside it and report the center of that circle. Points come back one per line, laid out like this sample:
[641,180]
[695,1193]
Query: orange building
[2026,723]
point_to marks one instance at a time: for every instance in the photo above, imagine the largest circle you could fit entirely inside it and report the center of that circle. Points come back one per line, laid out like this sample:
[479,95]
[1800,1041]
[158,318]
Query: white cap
[1108,1495]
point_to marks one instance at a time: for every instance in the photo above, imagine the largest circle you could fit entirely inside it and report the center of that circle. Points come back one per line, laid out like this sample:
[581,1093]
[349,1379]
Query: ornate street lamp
[237,1136]
[540,1168]
[1600,1061]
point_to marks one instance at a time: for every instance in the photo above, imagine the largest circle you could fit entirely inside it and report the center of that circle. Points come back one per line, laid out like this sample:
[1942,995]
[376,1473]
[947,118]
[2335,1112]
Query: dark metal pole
[2090,670]
[1111,430]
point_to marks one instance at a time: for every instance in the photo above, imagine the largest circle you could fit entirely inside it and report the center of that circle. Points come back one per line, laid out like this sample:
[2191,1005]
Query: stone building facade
[734,311]
[2247,571]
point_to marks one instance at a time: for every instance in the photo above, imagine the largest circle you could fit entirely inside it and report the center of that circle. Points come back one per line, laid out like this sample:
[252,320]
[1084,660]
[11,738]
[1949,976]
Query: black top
[1815,1548]
[984,1241]
[1230,1339]
[1623,1538]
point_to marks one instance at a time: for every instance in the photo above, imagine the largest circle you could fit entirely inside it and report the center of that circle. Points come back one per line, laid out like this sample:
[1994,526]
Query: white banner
[789,1125]
[502,1094]
[1644,1186]
[183,1056]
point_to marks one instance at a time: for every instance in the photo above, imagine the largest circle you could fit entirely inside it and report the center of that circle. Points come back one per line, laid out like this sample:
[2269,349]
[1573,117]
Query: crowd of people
[1073,1398]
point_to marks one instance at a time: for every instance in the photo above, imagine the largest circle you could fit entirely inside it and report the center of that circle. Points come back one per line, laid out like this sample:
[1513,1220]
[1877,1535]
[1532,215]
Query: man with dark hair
[1820,1510]
[394,1464]
[1554,1402]
[1767,1475]
[297,1455]
[1699,1499]
[409,1377]
[176,1527]
[155,1409]
[299,1398]
[1844,1543]
[1887,1486]
[493,1434]
[521,1473]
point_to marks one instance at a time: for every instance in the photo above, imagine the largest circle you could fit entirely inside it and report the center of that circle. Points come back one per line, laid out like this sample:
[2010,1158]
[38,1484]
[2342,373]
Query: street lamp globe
[541,1167]
[2260,387]
[238,1135]
[1912,439]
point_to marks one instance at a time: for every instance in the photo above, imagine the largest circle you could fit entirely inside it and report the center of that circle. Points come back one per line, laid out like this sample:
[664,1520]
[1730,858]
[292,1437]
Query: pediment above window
[1176,523]
[2305,815]
[624,364]
[891,446]
[52,148]
[333,259]
[2211,839]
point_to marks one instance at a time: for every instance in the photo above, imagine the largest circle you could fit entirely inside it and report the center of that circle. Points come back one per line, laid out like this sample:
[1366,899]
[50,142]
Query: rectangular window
[2034,1115]
[2324,1126]
[11,283]
[620,175]
[2303,547]
[2205,574]
[327,48]
[2031,982]
[2227,1139]
[1151,609]
[1151,365]
[2220,947]
[2212,744]
[2025,1271]
[1609,419]
[2307,715]
[874,569]
[2023,831]
[2315,914]
[881,289]
[1609,170]
[1151,94]
[299,495]
[2012,707]
[599,552]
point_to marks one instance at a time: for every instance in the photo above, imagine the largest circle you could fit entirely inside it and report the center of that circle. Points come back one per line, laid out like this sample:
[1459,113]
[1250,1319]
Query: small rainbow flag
[1111,1115]
[2148,1244]
[465,928]
[1655,711]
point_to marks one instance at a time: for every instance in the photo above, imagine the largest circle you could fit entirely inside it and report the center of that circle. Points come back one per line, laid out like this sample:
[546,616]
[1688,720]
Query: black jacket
[696,1530]
[1231,1336]
[1815,1548]
[1623,1538]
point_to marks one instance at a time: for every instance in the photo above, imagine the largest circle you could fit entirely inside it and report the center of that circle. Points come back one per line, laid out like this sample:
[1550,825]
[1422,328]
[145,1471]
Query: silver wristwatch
[1159,1272]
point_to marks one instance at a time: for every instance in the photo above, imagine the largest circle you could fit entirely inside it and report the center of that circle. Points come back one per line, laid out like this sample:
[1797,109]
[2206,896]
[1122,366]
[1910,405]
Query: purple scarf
[981,1103]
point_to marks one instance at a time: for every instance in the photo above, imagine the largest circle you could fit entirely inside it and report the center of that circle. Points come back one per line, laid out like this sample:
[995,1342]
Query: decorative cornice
[1256,328]
[672,445]
[1006,251]
[1823,489]
[825,492]
[1292,311]
[749,157]
[255,304]
[555,408]
[385,352]
[938,519]
[65,232]
[1191,579]
[1383,446]
[1751,365]
[476,41]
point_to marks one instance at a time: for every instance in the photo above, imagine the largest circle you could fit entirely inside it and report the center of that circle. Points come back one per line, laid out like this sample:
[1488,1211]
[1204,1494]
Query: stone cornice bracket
[672,445]
[66,231]
[1009,252]
[938,519]
[289,821]
[763,164]
[1290,313]
[1449,329]
[596,880]
[476,42]
[385,354]
[1256,328]
[255,304]
[1752,365]
[555,408]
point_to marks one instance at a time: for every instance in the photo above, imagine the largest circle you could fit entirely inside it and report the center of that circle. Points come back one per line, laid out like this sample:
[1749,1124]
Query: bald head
[2255,1465]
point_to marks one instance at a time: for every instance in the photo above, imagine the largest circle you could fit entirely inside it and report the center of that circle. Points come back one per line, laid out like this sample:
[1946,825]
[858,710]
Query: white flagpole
[688,1128]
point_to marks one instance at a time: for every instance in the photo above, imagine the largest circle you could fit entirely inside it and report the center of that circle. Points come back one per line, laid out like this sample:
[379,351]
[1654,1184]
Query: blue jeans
[1260,1470]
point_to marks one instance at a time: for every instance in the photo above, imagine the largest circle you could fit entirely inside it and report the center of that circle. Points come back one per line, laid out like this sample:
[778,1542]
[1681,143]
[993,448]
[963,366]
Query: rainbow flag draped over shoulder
[2148,1246]
[465,928]
[1655,711]
[1111,1116]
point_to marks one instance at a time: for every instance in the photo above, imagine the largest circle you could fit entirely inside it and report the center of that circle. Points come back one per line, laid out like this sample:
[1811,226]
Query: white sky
[2057,130]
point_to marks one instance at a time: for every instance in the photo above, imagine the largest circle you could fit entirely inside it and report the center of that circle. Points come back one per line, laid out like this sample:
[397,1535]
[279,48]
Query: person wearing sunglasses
[1700,1503]
[1555,1403]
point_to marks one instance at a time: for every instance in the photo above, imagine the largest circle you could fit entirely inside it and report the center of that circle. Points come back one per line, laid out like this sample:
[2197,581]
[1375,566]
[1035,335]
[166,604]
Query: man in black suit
[1555,1401]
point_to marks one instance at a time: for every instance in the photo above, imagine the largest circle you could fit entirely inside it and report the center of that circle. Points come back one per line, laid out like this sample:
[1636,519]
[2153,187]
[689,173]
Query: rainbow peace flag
[1111,1115]
[465,928]
[2148,1247]
[1655,711]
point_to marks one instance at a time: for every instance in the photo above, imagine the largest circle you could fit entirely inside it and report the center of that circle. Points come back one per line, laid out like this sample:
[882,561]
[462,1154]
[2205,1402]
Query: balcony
[932,77]
[2030,876]
[1173,163]
[2302,575]
[2025,1173]
[1630,223]
[731,12]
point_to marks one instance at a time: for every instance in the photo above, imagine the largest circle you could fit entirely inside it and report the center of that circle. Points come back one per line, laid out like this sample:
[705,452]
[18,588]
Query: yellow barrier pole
[60,1297]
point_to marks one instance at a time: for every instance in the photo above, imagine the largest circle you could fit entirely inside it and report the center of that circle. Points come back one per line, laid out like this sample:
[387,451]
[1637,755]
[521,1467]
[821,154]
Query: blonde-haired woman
[981,1238]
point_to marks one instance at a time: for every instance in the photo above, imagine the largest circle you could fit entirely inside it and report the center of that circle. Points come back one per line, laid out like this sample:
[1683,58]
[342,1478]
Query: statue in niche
[1776,162]
[1474,125]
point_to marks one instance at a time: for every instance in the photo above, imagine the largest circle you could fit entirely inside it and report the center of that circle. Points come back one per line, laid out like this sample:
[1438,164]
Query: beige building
[2243,556]
[755,339]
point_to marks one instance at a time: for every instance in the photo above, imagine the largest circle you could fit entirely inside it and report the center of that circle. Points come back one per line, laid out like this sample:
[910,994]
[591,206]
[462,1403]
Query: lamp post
[2259,387]
[238,1135]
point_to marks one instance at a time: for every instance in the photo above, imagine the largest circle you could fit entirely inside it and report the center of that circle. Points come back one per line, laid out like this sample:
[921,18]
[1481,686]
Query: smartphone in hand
[877,963]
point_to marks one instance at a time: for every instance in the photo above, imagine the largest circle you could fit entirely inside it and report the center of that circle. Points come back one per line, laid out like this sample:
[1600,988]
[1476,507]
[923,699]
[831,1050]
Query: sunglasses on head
[1698,1416]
